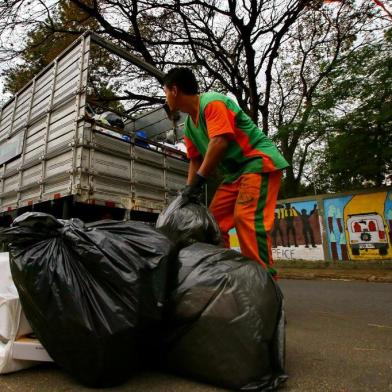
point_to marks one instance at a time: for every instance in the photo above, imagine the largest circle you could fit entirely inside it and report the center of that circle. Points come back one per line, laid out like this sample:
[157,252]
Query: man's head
[179,84]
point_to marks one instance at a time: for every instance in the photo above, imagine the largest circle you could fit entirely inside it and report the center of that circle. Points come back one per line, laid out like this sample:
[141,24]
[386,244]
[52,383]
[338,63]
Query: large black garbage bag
[187,223]
[92,293]
[226,322]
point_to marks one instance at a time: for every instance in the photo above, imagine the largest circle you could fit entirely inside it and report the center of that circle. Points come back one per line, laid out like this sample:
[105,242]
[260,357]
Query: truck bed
[51,149]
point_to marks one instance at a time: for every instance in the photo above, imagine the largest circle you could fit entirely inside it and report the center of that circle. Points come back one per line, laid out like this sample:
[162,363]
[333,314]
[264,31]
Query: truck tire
[355,251]
[383,251]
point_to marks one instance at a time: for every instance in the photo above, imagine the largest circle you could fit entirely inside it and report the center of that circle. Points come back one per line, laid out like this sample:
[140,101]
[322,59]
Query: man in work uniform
[219,134]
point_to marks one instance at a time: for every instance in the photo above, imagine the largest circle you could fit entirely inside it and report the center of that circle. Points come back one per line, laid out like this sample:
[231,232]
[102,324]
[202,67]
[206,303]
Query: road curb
[312,274]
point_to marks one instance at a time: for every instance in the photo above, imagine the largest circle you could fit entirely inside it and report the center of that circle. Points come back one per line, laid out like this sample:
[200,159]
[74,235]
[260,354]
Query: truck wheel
[383,251]
[355,251]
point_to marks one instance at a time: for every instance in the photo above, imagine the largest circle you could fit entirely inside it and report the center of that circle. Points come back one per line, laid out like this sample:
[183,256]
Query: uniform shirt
[249,149]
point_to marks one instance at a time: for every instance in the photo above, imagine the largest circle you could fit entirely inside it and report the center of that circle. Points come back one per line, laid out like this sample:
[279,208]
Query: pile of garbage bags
[104,297]
[89,291]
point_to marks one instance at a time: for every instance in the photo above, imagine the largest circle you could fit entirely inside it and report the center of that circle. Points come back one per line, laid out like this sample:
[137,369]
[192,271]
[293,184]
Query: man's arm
[215,151]
[194,166]
[204,167]
[199,169]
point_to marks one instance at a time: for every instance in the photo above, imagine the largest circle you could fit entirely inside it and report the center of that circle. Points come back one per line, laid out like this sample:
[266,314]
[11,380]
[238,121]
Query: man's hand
[193,192]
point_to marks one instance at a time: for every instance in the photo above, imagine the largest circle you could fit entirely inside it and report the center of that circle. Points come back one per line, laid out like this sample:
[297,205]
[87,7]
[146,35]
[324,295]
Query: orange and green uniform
[251,168]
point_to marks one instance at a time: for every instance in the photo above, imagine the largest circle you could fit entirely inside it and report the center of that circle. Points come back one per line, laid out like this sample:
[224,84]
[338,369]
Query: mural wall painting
[335,227]
[359,227]
[296,233]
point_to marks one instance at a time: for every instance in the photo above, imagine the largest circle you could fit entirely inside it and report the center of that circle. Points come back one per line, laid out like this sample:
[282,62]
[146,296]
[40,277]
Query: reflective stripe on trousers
[248,204]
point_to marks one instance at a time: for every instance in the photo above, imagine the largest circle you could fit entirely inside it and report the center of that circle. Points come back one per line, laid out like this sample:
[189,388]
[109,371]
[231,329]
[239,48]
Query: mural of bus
[367,231]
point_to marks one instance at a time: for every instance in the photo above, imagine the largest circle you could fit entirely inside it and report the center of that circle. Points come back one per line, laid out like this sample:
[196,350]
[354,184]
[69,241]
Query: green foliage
[359,148]
[322,88]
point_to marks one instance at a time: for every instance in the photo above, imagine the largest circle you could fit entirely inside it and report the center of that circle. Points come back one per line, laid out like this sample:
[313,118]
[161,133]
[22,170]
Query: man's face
[171,97]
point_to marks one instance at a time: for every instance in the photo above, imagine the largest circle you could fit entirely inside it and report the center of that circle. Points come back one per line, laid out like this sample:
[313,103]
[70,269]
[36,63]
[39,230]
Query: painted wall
[359,227]
[349,227]
[296,233]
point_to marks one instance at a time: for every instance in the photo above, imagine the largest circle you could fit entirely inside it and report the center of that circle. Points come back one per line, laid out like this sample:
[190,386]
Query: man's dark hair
[183,78]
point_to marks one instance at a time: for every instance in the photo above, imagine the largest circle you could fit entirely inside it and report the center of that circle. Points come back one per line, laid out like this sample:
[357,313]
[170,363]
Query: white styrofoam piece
[16,352]
[13,322]
[30,349]
[7,363]
[6,282]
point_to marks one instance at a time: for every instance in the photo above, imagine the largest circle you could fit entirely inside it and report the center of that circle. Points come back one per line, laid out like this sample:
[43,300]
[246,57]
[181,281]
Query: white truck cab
[367,231]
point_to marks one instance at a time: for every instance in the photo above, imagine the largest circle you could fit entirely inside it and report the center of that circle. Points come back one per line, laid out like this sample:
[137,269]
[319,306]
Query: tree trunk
[290,186]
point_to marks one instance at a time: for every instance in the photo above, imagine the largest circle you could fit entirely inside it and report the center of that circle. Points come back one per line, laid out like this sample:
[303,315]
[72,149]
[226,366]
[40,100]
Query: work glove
[192,193]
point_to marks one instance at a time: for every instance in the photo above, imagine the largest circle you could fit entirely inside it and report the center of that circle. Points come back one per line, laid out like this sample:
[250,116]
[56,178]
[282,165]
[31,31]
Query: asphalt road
[339,338]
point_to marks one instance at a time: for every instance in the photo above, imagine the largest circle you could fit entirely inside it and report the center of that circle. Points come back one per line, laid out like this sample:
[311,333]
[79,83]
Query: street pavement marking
[364,349]
[331,314]
[379,326]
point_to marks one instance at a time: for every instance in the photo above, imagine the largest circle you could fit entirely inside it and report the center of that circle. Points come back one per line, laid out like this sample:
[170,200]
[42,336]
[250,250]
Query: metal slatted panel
[6,118]
[57,153]
[22,110]
[148,175]
[42,129]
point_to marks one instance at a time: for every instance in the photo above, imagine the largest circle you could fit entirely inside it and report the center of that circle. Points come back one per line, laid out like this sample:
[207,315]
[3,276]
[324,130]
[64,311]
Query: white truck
[55,158]
[367,231]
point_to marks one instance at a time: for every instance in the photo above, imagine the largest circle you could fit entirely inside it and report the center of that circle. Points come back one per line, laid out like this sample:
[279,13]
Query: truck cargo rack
[50,148]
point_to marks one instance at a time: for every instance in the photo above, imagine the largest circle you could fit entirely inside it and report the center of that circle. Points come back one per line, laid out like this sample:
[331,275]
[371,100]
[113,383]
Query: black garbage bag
[92,293]
[226,321]
[187,223]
